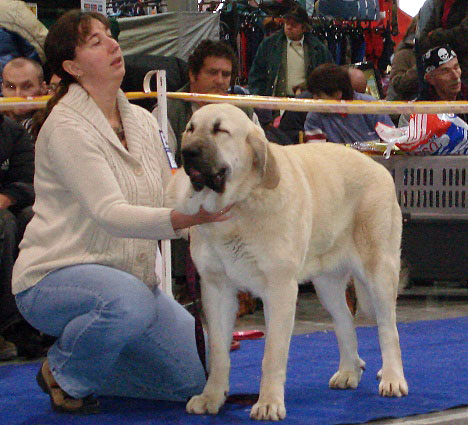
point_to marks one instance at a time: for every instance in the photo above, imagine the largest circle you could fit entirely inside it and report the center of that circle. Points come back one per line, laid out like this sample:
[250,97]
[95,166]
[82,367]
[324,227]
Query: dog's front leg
[279,303]
[220,306]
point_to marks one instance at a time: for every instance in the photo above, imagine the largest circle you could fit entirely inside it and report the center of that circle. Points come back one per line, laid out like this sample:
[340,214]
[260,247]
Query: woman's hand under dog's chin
[182,221]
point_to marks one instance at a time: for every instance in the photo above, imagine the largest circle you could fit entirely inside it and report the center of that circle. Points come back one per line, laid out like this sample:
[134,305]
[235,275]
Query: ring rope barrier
[289,104]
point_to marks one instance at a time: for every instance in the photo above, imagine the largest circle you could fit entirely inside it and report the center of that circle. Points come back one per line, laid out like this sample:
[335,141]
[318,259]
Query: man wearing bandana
[447,24]
[443,74]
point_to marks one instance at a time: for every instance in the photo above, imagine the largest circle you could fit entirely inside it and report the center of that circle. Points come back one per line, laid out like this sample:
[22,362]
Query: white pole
[162,119]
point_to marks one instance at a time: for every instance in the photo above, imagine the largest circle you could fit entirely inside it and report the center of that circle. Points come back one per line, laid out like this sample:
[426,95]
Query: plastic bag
[427,134]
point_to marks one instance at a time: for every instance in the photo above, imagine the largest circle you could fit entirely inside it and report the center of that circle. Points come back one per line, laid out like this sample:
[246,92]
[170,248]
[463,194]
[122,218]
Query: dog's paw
[392,385]
[379,374]
[362,364]
[268,410]
[205,403]
[346,379]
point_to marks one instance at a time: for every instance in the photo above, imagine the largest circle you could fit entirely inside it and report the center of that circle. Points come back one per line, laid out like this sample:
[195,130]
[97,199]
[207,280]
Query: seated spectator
[358,80]
[292,122]
[16,198]
[330,81]
[23,77]
[212,69]
[443,74]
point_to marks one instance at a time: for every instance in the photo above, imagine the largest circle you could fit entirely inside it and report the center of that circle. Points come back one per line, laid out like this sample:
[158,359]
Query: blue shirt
[344,128]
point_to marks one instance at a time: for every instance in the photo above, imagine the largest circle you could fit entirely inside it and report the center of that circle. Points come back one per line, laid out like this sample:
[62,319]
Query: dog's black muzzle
[201,173]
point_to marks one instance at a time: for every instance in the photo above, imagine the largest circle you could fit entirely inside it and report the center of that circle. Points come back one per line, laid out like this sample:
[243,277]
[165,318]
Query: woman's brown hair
[65,35]
[330,78]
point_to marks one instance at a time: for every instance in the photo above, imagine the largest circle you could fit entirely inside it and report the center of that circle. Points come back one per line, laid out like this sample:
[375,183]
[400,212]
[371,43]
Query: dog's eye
[190,128]
[217,128]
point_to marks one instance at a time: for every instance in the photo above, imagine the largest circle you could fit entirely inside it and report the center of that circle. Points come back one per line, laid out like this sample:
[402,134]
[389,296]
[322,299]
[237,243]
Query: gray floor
[441,301]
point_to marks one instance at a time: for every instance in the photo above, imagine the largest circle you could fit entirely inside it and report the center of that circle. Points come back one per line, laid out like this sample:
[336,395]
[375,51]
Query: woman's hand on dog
[182,221]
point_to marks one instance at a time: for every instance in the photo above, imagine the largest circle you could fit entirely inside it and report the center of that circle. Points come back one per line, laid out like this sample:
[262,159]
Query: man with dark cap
[443,74]
[284,59]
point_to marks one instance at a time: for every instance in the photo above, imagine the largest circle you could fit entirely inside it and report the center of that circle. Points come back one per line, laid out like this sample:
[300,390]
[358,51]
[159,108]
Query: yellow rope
[290,104]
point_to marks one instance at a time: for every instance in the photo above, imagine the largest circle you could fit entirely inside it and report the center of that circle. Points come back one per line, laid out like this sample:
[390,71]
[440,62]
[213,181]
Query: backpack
[350,9]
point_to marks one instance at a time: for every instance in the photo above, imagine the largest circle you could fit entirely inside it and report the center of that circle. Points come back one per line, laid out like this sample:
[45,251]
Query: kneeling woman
[85,273]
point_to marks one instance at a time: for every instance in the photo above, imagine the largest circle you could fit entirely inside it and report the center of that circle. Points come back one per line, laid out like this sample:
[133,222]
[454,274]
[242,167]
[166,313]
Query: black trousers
[12,226]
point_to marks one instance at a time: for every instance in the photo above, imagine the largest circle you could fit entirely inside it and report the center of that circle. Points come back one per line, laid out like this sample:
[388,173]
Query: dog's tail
[404,276]
[364,303]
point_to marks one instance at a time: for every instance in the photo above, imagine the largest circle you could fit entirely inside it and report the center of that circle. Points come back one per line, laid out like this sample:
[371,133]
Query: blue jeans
[115,335]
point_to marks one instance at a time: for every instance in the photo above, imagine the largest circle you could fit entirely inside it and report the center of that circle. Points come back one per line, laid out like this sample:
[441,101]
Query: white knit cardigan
[96,202]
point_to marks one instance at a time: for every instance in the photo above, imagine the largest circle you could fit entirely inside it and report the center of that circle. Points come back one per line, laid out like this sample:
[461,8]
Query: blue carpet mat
[435,357]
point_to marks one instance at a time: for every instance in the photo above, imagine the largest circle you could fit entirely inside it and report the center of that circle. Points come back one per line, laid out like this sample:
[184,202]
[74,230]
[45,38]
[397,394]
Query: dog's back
[352,203]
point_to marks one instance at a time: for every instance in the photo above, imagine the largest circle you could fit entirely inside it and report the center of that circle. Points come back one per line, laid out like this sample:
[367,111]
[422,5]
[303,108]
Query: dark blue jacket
[16,162]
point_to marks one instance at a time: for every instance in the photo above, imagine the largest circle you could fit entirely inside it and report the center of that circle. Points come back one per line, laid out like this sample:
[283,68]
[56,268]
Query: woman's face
[99,59]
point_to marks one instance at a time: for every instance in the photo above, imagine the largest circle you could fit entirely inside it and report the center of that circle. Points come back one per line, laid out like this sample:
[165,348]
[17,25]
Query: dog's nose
[191,154]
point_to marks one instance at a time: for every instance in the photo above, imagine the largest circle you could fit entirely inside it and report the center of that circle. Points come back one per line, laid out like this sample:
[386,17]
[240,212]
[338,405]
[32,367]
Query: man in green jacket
[285,59]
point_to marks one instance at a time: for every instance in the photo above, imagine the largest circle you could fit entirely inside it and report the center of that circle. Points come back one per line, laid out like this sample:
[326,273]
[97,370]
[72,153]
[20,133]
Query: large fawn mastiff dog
[319,212]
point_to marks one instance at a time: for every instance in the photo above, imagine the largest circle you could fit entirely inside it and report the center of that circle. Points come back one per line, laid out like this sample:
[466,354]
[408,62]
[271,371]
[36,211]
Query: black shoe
[7,350]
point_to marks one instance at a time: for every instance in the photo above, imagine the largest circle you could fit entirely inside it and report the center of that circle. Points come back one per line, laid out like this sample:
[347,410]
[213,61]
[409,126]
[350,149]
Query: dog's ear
[264,159]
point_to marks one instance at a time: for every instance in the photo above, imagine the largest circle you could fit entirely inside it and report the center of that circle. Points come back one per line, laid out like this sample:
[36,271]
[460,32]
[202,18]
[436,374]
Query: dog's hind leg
[383,276]
[378,244]
[220,306]
[331,292]
[279,305]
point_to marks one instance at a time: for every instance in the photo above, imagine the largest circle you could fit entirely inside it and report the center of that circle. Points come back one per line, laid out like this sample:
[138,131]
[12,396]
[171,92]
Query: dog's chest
[236,248]
[236,256]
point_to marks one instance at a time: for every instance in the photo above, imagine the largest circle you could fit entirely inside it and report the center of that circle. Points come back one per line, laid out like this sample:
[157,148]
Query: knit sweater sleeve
[82,169]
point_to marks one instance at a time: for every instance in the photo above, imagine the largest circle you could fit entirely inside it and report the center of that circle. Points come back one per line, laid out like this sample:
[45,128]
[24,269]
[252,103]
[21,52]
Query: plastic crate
[430,187]
[433,195]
